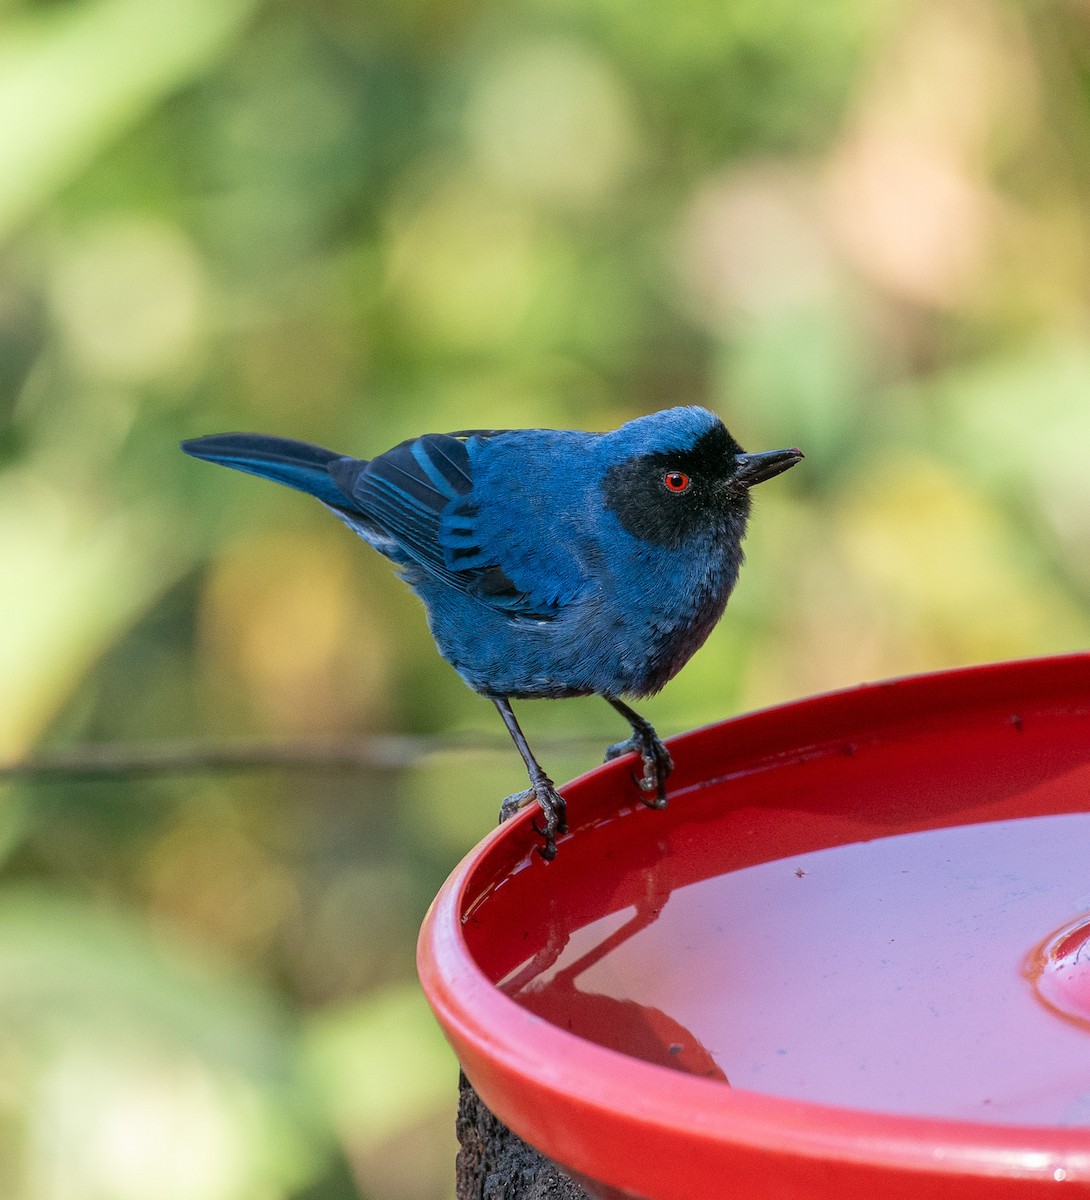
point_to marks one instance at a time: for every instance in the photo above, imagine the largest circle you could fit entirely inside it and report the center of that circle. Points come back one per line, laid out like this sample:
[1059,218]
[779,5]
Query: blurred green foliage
[857,227]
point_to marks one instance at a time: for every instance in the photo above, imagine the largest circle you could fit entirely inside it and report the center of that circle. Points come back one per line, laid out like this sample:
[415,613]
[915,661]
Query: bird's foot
[552,806]
[657,764]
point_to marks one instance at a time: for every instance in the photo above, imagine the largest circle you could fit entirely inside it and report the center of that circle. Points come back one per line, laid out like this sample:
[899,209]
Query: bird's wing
[420,494]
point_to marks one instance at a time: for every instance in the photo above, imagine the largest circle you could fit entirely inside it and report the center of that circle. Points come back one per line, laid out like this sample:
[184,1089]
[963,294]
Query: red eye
[676,481]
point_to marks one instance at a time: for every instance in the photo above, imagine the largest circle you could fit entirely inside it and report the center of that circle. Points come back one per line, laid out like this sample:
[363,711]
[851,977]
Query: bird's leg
[541,786]
[657,763]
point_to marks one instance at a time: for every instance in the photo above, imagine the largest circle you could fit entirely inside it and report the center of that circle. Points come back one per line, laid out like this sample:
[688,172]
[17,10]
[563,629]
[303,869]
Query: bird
[551,562]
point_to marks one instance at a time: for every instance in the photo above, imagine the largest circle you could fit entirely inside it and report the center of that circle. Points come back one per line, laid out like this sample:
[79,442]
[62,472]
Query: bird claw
[553,808]
[657,764]
[515,803]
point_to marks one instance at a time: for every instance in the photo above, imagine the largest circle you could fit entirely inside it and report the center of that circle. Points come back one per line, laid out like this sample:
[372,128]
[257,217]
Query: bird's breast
[627,632]
[659,615]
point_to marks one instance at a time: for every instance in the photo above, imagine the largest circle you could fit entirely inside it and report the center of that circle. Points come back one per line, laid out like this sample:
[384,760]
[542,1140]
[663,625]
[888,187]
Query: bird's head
[677,474]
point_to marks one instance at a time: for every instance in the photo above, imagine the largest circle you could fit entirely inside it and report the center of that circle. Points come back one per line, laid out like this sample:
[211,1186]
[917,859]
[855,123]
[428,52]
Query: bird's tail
[296,464]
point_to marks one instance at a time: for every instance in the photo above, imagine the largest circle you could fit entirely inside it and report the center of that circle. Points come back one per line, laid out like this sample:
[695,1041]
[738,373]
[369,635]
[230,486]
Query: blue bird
[551,562]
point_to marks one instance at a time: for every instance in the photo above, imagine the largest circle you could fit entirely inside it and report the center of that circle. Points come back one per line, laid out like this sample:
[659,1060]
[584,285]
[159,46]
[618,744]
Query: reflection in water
[841,928]
[883,974]
[621,1024]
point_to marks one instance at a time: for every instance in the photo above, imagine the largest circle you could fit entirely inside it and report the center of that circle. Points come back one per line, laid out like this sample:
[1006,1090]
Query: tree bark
[496,1164]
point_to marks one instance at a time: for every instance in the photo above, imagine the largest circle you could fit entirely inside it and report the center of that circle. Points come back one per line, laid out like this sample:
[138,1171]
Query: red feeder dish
[851,958]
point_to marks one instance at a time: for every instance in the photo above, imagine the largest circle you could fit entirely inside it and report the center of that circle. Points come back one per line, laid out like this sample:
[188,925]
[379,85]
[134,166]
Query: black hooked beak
[756,468]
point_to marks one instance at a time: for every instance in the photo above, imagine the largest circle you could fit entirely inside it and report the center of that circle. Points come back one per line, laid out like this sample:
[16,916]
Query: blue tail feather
[298,465]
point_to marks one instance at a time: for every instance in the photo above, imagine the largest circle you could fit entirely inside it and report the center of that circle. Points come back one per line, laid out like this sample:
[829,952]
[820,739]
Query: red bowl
[869,911]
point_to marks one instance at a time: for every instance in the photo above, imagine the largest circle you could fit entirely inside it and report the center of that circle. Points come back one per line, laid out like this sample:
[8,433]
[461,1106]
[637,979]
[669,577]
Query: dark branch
[126,759]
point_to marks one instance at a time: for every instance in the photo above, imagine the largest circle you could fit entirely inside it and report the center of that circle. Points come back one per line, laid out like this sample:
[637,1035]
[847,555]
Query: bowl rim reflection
[668,1135]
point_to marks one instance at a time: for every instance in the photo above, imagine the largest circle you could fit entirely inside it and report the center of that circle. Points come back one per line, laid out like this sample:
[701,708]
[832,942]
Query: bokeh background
[859,226]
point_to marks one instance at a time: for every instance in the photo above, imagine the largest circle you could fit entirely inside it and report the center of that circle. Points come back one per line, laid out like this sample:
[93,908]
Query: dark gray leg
[492,1161]
[541,786]
[657,763]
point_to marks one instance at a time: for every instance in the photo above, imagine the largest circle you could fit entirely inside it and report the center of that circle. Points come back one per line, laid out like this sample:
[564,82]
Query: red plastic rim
[642,1130]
